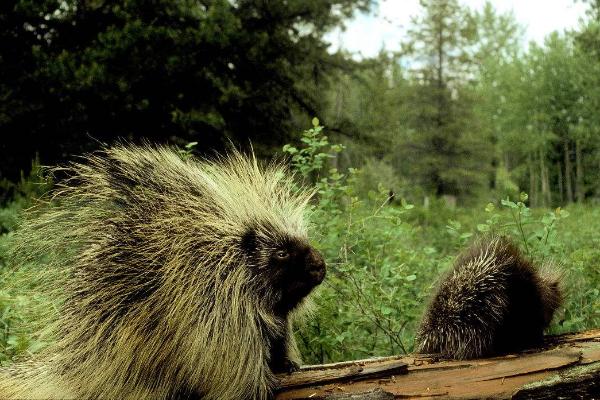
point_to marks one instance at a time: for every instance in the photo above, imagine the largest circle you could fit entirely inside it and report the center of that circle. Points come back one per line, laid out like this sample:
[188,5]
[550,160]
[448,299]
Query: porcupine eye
[282,255]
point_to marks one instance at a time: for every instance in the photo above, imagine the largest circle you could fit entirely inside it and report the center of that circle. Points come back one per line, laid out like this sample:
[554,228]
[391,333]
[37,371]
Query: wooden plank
[566,363]
[577,383]
[353,370]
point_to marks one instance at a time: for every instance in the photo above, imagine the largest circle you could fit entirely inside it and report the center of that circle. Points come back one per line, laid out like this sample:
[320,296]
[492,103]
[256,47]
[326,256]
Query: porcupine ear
[249,241]
[551,289]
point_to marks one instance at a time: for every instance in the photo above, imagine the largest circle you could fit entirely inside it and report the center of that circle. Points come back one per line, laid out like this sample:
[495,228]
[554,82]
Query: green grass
[383,261]
[382,268]
[382,265]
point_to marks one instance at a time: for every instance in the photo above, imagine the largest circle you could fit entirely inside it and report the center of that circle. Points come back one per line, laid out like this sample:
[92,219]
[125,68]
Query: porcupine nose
[315,266]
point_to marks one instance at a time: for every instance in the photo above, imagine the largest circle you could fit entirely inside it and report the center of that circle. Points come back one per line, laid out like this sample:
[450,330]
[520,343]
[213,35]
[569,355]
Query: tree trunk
[532,183]
[568,184]
[598,184]
[567,366]
[440,78]
[339,103]
[579,189]
[561,189]
[545,197]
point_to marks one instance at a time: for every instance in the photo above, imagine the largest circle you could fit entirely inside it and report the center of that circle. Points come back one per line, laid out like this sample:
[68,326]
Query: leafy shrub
[22,310]
[384,259]
[21,195]
[378,268]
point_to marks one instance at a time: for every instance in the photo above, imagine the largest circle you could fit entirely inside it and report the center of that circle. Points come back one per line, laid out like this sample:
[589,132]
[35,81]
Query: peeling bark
[568,365]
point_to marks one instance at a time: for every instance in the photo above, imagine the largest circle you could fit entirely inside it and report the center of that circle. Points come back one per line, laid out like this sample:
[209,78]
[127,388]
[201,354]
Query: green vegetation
[76,73]
[385,257]
[470,130]
[467,112]
[21,309]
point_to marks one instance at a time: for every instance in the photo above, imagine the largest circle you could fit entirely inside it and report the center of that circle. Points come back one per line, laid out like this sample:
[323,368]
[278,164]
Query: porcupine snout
[315,266]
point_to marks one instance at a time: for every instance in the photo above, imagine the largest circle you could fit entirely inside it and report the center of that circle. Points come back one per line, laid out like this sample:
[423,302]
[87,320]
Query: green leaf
[548,218]
[406,205]
[455,225]
[523,197]
[385,310]
[483,227]
[508,203]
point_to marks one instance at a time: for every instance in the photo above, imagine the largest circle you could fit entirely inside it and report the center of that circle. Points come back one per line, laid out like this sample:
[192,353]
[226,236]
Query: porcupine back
[136,238]
[493,301]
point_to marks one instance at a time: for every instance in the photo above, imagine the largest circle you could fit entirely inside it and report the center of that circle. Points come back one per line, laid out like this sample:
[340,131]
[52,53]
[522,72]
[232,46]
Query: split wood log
[568,367]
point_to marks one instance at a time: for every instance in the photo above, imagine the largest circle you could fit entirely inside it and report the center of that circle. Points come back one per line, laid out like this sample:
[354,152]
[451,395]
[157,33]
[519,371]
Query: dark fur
[176,278]
[493,301]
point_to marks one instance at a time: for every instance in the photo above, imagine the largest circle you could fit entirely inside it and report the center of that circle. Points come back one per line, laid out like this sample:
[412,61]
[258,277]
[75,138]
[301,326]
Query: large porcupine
[493,301]
[179,278]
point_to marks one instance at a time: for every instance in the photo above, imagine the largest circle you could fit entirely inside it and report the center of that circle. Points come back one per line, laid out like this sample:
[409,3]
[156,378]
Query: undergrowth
[384,256]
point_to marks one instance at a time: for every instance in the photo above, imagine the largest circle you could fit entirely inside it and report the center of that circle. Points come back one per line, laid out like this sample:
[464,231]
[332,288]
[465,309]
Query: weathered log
[568,366]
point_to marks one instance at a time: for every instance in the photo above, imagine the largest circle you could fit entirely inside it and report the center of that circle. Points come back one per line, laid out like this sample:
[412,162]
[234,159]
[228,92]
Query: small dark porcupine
[178,278]
[493,301]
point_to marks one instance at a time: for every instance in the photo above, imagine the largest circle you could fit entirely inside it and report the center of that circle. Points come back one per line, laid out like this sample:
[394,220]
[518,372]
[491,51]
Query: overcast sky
[367,34]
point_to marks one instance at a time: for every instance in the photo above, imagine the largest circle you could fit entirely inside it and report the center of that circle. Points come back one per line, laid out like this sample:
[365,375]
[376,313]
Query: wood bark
[567,366]
[546,199]
[579,185]
[560,182]
[568,172]
[532,183]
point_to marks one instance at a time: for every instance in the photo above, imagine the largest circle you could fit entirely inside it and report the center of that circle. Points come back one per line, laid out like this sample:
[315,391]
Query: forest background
[414,153]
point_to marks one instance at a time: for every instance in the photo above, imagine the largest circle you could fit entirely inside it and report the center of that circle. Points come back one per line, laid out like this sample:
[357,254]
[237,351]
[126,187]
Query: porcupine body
[493,301]
[178,278]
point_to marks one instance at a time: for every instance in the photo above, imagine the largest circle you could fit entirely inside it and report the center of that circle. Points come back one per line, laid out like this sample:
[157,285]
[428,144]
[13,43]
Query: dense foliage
[384,257]
[439,142]
[75,73]
[466,111]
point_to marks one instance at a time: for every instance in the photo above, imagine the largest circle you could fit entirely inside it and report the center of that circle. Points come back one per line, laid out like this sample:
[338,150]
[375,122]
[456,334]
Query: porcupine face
[288,265]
